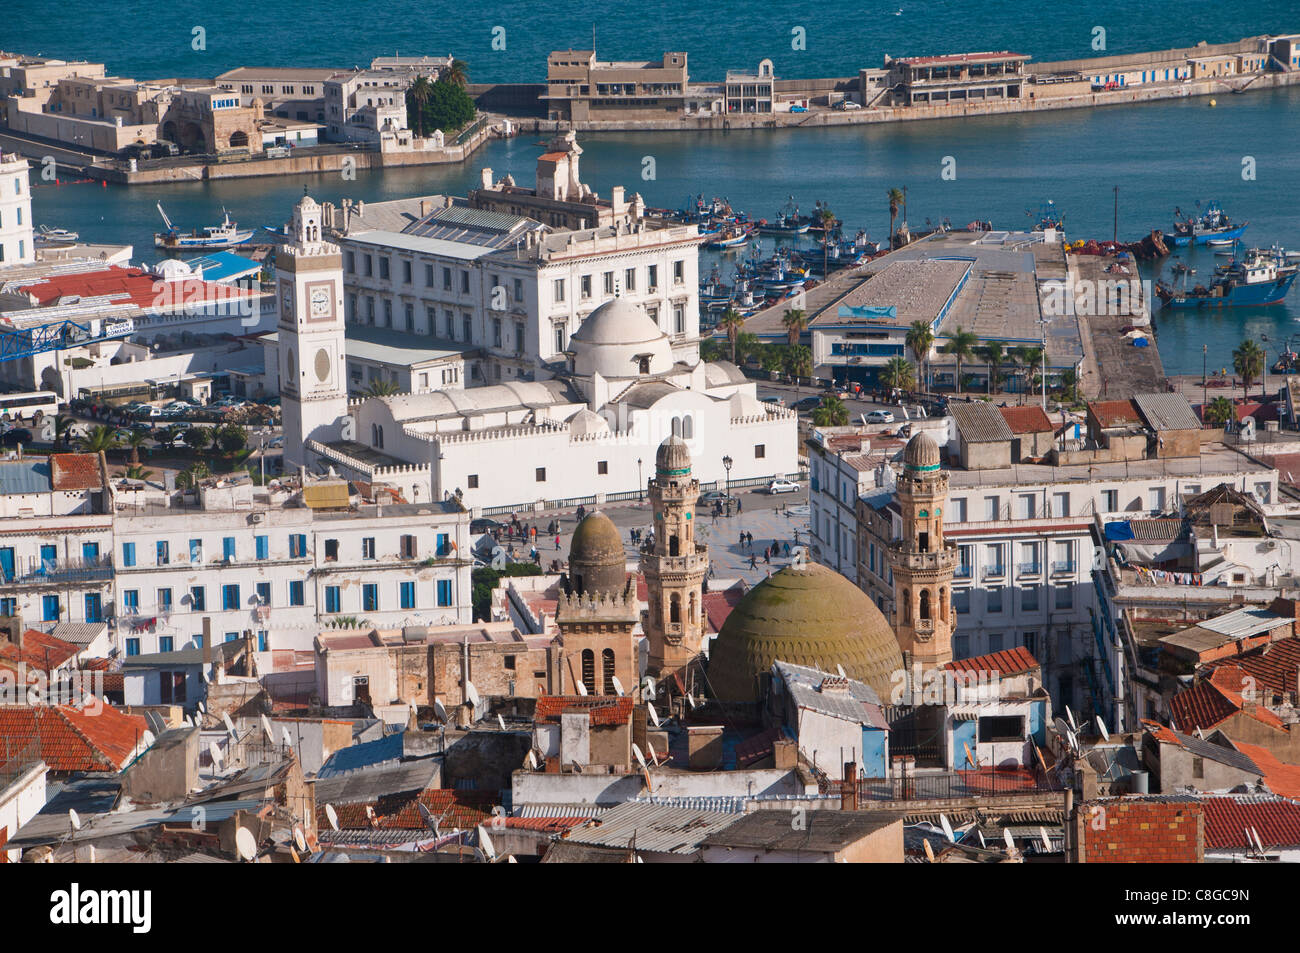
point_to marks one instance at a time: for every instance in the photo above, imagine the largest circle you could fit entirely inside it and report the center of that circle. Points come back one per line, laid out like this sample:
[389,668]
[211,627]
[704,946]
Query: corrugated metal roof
[856,702]
[326,496]
[371,783]
[24,476]
[979,422]
[1167,412]
[1243,623]
[652,827]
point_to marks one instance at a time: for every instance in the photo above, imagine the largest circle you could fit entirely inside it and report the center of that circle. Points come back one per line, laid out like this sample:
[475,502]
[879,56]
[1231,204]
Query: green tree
[798,364]
[1027,361]
[378,388]
[1069,385]
[99,439]
[62,427]
[417,99]
[732,323]
[136,472]
[231,438]
[920,338]
[711,349]
[1248,361]
[448,107]
[898,373]
[484,579]
[135,440]
[961,344]
[831,413]
[457,74]
[795,322]
[199,438]
[995,355]
[895,202]
[828,223]
[748,345]
[1219,411]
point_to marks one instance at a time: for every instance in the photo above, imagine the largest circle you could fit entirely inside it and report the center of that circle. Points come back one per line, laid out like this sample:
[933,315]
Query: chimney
[849,787]
[485,178]
[425,207]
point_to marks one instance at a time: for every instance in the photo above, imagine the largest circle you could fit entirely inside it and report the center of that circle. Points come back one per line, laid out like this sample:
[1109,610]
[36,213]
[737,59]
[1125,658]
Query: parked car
[783,486]
[484,525]
[12,438]
[808,404]
[880,417]
[772,399]
[847,104]
[716,496]
[798,109]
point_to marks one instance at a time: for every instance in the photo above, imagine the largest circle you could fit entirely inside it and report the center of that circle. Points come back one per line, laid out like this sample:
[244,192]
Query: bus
[28,407]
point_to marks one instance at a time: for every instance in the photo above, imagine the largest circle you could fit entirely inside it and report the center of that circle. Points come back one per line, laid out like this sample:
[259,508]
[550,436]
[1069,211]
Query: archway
[239,139]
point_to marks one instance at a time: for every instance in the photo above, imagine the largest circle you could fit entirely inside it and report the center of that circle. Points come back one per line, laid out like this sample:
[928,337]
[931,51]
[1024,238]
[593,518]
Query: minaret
[922,561]
[313,388]
[676,566]
[597,614]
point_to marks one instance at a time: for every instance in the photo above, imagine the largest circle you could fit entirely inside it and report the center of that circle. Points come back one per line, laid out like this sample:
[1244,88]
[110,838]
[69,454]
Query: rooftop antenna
[245,845]
[485,844]
[332,816]
[532,760]
[299,840]
[426,815]
[1258,843]
[288,740]
[501,722]
[1008,839]
[979,833]
[1047,844]
[230,725]
[471,694]
[440,710]
[648,687]
[618,686]
[653,757]
[74,820]
[1074,726]
[640,758]
[201,708]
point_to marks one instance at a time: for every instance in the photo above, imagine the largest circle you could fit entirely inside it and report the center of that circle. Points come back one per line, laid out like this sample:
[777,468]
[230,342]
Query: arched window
[925,604]
[674,545]
[688,427]
[675,608]
[607,670]
[589,670]
[677,426]
[907,606]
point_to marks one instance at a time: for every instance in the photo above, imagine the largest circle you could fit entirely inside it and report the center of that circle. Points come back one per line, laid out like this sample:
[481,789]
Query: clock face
[322,301]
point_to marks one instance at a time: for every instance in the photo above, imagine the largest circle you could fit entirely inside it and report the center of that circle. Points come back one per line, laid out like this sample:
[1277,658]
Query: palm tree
[98,440]
[1248,362]
[1027,359]
[1069,385]
[895,201]
[961,344]
[1218,412]
[135,440]
[794,322]
[994,352]
[920,338]
[831,413]
[457,73]
[62,426]
[420,92]
[898,373]
[828,222]
[798,364]
[378,388]
[732,322]
[136,472]
[747,345]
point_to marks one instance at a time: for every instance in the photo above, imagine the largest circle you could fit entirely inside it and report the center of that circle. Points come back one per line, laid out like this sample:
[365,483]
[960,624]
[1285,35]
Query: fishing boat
[1049,216]
[1288,362]
[45,235]
[1210,228]
[1257,280]
[730,237]
[225,235]
[788,222]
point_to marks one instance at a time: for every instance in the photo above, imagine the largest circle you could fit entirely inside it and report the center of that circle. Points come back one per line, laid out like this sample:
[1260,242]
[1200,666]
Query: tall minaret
[922,561]
[313,385]
[675,568]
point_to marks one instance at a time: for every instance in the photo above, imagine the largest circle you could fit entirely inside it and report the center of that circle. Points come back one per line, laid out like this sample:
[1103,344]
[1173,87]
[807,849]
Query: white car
[782,486]
[848,104]
[880,417]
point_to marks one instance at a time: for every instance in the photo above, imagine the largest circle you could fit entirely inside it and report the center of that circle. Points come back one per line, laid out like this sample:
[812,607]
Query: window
[559,289]
[541,474]
[428,275]
[196,550]
[383,266]
[198,599]
[297,546]
[370,597]
[1198,768]
[1110,501]
[94,607]
[230,597]
[519,288]
[496,332]
[608,278]
[472,481]
[993,565]
[164,599]
[1027,506]
[961,646]
[993,596]
[263,546]
[995,642]
[368,547]
[443,542]
[760,451]
[407,547]
[679,272]
[1060,504]
[296,592]
[163,552]
[332,601]
[679,319]
[444,593]
[228,549]
[961,600]
[166,643]
[464,282]
[629,279]
[586,286]
[407,594]
[1156,499]
[602,467]
[331,550]
[8,606]
[446,279]
[1029,599]
[131,600]
[264,593]
[652,277]
[992,507]
[406,272]
[1063,552]
[128,554]
[132,646]
[1065,596]
[49,608]
[1001,728]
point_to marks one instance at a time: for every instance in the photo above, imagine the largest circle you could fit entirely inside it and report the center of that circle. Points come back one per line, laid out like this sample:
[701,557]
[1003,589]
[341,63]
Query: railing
[1063,565]
[64,570]
[962,572]
[1029,569]
[993,572]
[956,784]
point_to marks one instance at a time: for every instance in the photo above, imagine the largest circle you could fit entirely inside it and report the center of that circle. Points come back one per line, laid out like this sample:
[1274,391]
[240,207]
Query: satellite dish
[618,686]
[582,689]
[245,844]
[90,854]
[485,843]
[1258,843]
[648,688]
[439,710]
[1008,839]
[332,816]
[471,694]
[288,740]
[1070,715]
[640,758]
[1101,726]
[203,673]
[186,721]
[426,815]
[929,851]
[501,722]
[74,820]
[370,812]
[839,669]
[298,840]
[691,698]
[532,760]
[653,757]
[511,859]
[970,755]
[654,715]
[230,725]
[979,833]
[266,726]
[947,828]
[200,707]
[1047,844]
[215,752]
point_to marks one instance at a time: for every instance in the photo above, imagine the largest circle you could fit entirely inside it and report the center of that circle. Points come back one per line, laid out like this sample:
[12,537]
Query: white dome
[617,339]
[585,422]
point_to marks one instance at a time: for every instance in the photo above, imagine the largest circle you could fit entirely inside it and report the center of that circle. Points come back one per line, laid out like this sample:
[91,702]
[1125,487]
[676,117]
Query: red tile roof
[1110,413]
[547,825]
[1226,820]
[1161,733]
[1274,668]
[73,739]
[1212,701]
[452,809]
[718,605]
[75,471]
[1143,832]
[601,709]
[132,286]
[42,652]
[1026,419]
[1007,662]
[1281,778]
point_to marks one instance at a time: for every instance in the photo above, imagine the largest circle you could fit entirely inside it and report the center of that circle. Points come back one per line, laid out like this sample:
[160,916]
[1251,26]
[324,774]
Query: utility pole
[1115,234]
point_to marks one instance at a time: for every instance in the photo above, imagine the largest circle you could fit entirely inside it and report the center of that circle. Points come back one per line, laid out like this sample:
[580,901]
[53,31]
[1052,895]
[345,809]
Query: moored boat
[1212,227]
[225,235]
[1258,280]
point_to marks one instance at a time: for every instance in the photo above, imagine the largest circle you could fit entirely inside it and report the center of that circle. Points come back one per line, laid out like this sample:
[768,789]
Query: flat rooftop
[1215,459]
[916,290]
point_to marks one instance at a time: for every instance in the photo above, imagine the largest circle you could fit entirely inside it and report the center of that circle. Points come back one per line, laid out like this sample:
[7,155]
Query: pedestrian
[739,507]
[796,537]
[557,542]
[742,538]
[787,550]
[767,555]
[753,562]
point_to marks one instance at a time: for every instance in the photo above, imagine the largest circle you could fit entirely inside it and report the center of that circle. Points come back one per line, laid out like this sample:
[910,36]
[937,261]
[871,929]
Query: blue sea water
[1161,155]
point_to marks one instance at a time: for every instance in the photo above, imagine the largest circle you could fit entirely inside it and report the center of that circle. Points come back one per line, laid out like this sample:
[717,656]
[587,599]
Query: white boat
[55,236]
[225,235]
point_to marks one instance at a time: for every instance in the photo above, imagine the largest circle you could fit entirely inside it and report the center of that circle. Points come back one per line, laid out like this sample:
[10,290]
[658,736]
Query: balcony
[1029,569]
[962,572]
[1062,566]
[993,572]
[63,571]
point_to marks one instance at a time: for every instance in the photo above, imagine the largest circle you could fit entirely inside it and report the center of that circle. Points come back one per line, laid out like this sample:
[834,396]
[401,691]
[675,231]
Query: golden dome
[597,562]
[921,453]
[809,616]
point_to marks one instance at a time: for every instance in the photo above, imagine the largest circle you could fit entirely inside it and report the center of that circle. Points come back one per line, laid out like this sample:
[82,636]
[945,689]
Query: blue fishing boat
[1262,278]
[1210,227]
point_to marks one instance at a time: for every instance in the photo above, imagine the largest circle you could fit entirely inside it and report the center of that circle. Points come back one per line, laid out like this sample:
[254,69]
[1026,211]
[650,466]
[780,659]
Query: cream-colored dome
[673,457]
[921,453]
[585,422]
[619,339]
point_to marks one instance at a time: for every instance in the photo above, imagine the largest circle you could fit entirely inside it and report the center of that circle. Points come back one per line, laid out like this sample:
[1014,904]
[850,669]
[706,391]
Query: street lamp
[726,465]
[1264,338]
[640,484]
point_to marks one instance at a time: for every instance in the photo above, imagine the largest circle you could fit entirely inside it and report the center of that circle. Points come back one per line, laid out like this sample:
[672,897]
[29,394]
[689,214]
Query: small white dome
[586,422]
[619,339]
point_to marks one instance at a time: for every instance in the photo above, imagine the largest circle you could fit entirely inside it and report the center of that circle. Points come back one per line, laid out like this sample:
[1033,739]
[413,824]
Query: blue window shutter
[128,554]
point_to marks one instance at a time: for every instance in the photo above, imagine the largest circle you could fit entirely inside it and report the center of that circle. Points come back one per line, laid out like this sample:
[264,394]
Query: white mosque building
[588,433]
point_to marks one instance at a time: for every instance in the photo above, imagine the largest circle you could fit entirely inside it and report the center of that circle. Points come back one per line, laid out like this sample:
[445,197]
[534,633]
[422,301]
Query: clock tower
[313,385]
